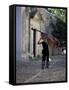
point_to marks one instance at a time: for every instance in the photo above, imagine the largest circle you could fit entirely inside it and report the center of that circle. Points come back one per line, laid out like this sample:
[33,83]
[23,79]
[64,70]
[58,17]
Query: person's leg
[43,61]
[47,61]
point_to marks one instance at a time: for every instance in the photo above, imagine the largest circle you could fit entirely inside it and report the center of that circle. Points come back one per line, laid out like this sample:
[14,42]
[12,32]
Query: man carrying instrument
[46,40]
[45,51]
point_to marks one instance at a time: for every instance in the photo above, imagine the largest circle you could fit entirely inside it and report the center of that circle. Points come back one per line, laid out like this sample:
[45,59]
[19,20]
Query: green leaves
[59,31]
[59,13]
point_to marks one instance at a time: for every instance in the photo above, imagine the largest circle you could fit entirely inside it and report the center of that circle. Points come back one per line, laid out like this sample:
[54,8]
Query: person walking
[45,51]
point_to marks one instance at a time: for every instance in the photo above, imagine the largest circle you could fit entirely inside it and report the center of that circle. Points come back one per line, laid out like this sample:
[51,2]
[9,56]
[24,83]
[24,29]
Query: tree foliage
[59,31]
[59,13]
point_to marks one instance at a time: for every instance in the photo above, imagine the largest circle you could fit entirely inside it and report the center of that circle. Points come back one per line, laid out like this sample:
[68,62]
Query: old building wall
[45,26]
[18,33]
[25,27]
[25,36]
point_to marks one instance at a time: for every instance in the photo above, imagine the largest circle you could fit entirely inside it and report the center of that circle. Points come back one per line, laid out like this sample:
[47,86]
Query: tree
[59,13]
[59,30]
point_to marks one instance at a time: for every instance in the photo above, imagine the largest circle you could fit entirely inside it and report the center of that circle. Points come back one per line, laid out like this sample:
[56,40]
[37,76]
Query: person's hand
[40,41]
[37,42]
[40,37]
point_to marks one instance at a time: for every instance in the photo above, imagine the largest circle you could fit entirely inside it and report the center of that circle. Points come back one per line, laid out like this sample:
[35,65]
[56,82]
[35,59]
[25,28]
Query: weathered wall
[18,33]
[24,34]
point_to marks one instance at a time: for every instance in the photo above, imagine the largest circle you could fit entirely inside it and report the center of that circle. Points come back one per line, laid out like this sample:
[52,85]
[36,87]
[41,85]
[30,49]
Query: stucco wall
[24,34]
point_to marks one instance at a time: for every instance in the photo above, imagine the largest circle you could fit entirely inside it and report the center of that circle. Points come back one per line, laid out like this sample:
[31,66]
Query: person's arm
[40,41]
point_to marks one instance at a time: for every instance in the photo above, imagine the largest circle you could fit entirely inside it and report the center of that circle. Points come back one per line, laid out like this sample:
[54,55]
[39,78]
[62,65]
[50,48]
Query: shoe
[47,65]
[42,67]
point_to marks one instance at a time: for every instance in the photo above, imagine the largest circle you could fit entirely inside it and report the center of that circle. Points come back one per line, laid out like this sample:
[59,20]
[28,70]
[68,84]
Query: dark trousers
[45,60]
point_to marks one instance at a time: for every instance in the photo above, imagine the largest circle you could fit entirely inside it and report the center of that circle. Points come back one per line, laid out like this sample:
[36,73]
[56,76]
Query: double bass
[53,42]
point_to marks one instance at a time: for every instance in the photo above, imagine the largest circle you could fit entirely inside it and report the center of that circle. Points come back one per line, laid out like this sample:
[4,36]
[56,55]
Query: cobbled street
[29,71]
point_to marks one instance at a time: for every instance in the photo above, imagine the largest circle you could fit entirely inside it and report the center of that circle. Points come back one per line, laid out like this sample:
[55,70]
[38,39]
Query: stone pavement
[29,71]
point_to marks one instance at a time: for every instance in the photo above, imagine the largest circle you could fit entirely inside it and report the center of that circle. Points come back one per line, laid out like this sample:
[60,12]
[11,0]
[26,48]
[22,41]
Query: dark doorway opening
[34,43]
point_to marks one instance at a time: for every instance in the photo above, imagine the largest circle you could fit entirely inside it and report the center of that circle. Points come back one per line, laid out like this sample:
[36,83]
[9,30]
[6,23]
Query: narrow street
[29,71]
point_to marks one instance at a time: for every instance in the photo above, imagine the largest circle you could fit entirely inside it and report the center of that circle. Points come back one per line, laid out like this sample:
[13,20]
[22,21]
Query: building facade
[26,38]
